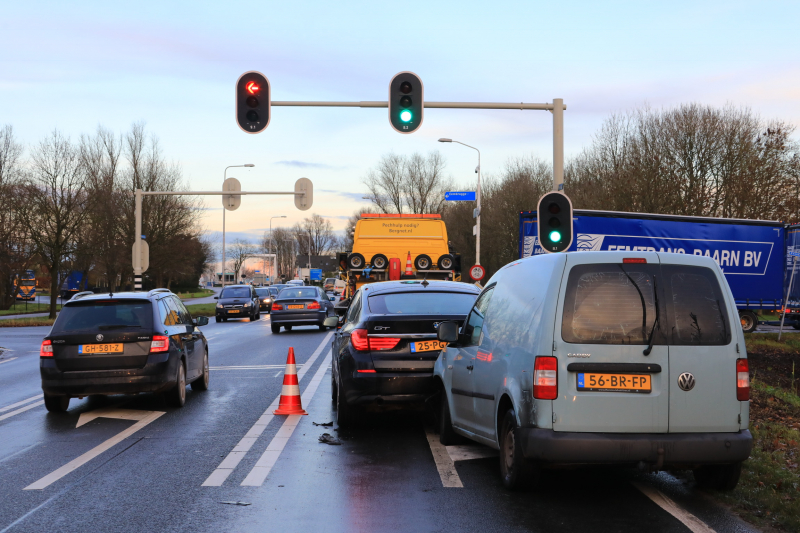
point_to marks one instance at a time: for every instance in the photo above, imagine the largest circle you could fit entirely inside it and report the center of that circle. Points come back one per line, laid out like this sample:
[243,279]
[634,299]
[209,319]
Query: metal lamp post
[272,240]
[224,177]
[478,218]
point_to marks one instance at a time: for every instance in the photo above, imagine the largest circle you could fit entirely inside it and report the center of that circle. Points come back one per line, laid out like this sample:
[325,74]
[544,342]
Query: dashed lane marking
[250,367]
[444,463]
[8,360]
[688,519]
[23,402]
[143,418]
[231,461]
[270,456]
[22,410]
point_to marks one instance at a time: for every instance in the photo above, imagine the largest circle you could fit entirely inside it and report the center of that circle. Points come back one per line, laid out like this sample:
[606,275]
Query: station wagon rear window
[100,316]
[422,303]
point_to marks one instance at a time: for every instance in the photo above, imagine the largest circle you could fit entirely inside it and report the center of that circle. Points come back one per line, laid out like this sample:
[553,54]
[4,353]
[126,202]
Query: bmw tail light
[313,305]
[277,307]
[46,350]
[545,378]
[359,340]
[742,380]
[160,343]
[383,343]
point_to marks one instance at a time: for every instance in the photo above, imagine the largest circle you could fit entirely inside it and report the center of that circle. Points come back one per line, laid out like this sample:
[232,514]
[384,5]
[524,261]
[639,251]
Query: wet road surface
[174,469]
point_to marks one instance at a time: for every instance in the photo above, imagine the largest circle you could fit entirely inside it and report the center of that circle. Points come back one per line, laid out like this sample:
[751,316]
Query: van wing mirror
[331,322]
[447,332]
[216,297]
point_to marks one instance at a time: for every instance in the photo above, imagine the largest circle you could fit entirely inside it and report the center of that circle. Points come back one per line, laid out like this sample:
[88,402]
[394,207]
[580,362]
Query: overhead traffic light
[554,218]
[252,102]
[406,102]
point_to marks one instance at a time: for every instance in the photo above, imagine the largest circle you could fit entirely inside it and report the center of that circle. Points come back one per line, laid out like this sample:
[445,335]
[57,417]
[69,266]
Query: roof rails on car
[81,295]
[156,291]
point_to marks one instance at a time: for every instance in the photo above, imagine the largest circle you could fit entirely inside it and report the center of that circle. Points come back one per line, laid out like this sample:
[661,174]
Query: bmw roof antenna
[425,280]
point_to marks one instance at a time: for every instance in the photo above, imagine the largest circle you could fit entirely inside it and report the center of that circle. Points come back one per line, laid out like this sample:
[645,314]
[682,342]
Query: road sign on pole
[144,255]
[231,202]
[477,272]
[316,274]
[465,196]
[303,201]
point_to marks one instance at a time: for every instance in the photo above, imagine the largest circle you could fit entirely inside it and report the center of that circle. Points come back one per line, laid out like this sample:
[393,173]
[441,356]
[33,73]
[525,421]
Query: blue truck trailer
[71,285]
[752,253]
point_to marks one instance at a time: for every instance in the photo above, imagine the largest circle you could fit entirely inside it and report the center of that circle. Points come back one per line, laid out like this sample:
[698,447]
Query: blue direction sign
[316,274]
[465,196]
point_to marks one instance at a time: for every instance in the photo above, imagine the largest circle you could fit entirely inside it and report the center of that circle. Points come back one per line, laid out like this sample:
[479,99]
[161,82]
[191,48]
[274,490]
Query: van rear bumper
[618,448]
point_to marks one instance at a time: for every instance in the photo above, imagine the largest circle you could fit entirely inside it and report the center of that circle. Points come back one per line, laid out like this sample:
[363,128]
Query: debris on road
[327,438]
[326,424]
[237,503]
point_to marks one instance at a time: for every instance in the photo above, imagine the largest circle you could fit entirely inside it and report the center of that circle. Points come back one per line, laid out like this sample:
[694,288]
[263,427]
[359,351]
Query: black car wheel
[287,328]
[379,261]
[275,328]
[422,262]
[56,403]
[445,262]
[201,383]
[516,471]
[176,396]
[346,415]
[333,387]
[718,477]
[447,436]
[356,261]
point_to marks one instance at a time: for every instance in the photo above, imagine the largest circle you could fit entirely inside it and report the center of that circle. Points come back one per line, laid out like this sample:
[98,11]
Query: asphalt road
[223,463]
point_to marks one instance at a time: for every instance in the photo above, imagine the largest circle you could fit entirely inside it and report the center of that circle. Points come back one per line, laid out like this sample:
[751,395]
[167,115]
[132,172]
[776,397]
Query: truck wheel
[718,477]
[356,261]
[445,262]
[379,261]
[423,262]
[749,321]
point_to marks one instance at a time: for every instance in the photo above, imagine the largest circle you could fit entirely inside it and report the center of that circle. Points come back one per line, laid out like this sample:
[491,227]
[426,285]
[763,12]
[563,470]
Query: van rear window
[102,316]
[609,304]
[699,314]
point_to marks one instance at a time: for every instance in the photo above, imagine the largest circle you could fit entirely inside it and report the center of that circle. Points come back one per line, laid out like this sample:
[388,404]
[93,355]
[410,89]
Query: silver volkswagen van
[629,358]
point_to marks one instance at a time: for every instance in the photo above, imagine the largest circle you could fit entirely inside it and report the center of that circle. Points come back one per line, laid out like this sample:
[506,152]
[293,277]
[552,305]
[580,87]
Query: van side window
[698,307]
[474,326]
[609,303]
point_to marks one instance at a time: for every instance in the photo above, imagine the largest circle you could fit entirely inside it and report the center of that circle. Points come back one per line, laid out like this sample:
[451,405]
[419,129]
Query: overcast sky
[76,65]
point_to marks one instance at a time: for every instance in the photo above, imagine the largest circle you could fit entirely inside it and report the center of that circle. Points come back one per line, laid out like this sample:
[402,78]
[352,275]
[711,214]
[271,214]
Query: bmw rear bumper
[386,387]
[671,449]
[313,318]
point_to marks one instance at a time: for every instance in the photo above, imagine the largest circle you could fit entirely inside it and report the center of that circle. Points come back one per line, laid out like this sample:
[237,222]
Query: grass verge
[32,321]
[200,293]
[20,309]
[202,309]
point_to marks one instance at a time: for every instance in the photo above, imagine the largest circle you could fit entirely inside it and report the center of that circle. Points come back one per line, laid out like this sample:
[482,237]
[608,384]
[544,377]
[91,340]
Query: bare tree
[239,252]
[315,232]
[284,246]
[57,201]
[414,184]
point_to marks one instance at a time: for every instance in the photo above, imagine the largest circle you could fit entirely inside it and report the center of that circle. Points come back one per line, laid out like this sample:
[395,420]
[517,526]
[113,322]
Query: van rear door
[702,346]
[608,307]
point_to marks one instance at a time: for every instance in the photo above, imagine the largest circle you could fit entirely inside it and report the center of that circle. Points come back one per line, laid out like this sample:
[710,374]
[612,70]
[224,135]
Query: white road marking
[278,374]
[249,367]
[444,463]
[689,520]
[468,452]
[143,418]
[270,456]
[22,410]
[231,461]
[8,360]
[23,402]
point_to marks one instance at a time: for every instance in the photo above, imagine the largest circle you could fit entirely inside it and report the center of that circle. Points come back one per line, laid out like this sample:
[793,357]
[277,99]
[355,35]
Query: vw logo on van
[686,381]
[99,337]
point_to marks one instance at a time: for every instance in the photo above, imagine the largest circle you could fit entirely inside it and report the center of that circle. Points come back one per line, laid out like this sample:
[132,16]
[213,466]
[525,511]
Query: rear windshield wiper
[656,321]
[118,326]
[641,297]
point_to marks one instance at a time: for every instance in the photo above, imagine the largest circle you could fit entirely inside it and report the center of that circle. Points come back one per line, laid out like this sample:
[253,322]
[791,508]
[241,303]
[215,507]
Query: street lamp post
[478,218]
[272,240]
[224,177]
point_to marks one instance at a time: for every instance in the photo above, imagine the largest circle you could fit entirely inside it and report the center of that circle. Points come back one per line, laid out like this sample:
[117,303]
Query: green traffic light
[555,236]
[406,115]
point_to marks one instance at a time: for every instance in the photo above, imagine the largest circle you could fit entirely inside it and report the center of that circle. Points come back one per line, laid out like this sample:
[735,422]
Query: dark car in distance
[123,343]
[386,347]
[237,301]
[264,298]
[300,306]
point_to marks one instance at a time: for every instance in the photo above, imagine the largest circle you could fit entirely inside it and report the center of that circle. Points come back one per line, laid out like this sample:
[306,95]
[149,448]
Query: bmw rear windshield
[104,316]
[422,303]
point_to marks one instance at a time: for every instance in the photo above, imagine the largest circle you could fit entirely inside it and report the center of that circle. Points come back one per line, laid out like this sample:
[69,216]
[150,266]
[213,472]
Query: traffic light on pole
[554,218]
[252,102]
[406,102]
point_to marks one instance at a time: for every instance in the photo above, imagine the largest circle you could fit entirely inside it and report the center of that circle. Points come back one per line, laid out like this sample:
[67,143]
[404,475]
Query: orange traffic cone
[408,274]
[290,395]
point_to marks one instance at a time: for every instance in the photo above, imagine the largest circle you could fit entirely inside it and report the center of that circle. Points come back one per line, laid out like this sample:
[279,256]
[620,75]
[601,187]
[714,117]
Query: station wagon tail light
[277,307]
[634,260]
[359,340]
[46,350]
[313,305]
[545,378]
[742,380]
[160,343]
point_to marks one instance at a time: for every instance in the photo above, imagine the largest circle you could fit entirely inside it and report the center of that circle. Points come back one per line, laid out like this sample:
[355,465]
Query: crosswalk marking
[231,461]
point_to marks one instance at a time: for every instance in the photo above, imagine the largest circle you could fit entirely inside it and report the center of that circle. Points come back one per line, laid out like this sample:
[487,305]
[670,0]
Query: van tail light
[46,350]
[742,380]
[277,307]
[359,340]
[313,305]
[160,343]
[545,378]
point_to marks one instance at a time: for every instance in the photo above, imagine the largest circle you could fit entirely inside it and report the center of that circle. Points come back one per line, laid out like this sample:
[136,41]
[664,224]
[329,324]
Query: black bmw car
[300,306]
[386,347]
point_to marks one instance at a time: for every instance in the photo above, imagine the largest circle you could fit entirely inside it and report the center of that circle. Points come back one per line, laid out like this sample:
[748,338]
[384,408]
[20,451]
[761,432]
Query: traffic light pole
[557,108]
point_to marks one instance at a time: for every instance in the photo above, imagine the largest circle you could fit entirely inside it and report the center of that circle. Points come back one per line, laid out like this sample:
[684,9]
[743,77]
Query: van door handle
[470,367]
